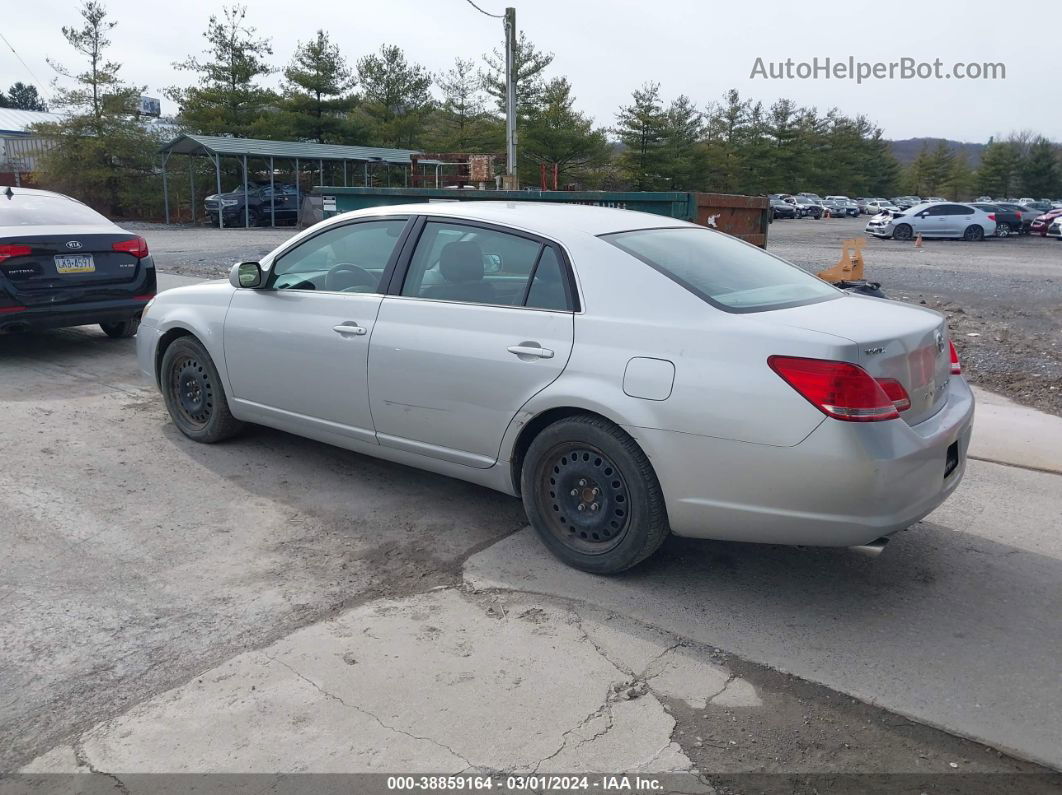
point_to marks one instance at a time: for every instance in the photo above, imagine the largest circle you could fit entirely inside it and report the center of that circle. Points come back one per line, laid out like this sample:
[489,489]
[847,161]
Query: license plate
[75,263]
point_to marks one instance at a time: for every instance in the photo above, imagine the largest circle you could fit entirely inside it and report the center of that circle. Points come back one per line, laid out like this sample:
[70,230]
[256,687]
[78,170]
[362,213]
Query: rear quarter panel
[722,387]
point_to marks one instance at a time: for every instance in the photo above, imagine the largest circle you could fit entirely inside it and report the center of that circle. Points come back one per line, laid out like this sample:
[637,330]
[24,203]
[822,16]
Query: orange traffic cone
[918,242]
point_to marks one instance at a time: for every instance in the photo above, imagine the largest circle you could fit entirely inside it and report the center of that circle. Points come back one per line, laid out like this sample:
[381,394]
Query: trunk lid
[68,265]
[888,339]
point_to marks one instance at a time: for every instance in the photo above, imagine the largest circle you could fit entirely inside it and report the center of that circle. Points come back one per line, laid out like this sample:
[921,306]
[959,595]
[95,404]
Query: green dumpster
[743,216]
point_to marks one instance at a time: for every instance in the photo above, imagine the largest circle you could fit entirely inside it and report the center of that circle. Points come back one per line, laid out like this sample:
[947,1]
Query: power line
[480,10]
[26,66]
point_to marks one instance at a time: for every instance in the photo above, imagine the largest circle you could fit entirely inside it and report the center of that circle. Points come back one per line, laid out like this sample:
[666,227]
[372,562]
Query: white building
[19,148]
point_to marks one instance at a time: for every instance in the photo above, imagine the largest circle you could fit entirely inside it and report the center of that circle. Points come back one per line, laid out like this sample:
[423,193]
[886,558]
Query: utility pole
[510,99]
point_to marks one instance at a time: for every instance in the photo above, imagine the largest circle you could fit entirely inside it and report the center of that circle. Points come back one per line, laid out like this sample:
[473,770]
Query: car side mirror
[246,274]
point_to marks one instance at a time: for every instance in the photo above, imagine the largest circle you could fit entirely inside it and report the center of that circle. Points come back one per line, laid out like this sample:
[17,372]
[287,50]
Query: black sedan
[781,209]
[64,264]
[1008,222]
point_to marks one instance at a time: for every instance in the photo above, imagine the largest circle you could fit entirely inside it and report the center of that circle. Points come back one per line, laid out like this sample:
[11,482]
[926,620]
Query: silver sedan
[935,220]
[627,375]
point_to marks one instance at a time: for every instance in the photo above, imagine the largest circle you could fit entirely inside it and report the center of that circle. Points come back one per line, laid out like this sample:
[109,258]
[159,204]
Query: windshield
[724,271]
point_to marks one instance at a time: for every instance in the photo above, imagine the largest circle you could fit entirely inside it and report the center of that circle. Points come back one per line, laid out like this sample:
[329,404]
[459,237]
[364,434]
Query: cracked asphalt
[277,605]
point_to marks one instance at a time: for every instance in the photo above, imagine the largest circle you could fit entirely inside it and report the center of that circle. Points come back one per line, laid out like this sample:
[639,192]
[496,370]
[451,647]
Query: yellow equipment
[850,267]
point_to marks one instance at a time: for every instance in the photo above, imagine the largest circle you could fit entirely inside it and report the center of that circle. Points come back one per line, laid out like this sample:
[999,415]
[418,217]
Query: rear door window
[477,265]
[725,272]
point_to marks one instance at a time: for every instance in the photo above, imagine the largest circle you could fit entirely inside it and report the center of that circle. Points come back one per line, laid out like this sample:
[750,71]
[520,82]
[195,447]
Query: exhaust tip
[873,549]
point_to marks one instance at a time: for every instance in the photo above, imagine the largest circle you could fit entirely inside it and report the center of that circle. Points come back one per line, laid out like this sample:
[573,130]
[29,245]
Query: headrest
[461,262]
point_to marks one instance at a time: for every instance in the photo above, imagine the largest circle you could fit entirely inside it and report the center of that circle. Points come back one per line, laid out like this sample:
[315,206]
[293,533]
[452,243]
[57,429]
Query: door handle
[350,327]
[531,349]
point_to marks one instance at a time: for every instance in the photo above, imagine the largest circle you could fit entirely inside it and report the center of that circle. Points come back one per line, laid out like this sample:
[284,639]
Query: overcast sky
[606,48]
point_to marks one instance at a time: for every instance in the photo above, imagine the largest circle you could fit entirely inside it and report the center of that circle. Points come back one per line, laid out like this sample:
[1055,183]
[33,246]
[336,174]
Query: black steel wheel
[902,232]
[194,394]
[587,500]
[592,495]
[973,233]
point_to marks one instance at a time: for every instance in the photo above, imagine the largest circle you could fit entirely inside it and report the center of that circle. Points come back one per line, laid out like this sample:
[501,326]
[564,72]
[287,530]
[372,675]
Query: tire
[123,329]
[604,467]
[1002,230]
[194,394]
[903,232]
[973,233]
[254,218]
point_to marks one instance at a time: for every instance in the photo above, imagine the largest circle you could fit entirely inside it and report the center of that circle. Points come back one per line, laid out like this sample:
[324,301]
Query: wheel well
[164,343]
[534,428]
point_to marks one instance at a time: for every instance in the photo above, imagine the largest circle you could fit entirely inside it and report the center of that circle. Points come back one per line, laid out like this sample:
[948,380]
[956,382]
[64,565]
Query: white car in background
[947,219]
[879,206]
[1055,230]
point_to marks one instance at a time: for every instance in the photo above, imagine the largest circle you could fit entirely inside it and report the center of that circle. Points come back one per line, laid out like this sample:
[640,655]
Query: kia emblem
[73,244]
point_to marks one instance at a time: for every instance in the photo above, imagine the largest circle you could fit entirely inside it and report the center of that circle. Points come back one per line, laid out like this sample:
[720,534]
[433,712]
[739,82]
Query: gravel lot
[1003,298]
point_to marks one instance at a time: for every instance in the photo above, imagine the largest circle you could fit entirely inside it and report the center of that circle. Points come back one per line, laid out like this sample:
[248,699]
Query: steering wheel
[346,275]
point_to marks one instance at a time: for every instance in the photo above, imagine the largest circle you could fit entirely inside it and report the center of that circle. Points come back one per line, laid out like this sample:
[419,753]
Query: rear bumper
[65,315]
[846,484]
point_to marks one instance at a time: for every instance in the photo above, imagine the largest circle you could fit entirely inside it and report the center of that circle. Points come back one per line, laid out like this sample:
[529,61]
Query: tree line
[103,154]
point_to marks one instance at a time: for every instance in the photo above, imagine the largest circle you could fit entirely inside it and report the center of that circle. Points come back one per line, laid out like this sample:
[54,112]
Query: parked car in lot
[64,264]
[783,209]
[263,205]
[850,207]
[906,202]
[1041,223]
[876,206]
[543,351]
[807,207]
[1027,214]
[1055,229]
[935,220]
[1008,222]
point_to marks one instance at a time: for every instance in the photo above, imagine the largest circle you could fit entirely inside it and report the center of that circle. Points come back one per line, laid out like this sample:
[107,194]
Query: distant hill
[907,150]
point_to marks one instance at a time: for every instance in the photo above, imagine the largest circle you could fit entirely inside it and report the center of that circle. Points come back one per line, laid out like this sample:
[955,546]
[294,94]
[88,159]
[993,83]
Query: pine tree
[1041,175]
[960,180]
[227,100]
[555,133]
[997,175]
[528,65]
[460,123]
[641,128]
[395,98]
[317,92]
[100,152]
[23,97]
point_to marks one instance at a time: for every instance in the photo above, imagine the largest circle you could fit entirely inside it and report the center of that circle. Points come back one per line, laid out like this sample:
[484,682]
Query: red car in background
[1041,222]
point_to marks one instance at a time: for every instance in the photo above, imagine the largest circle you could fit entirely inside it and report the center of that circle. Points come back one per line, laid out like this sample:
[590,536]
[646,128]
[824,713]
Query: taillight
[136,246]
[8,309]
[8,250]
[991,216]
[956,368]
[897,394]
[840,390]
[1018,213]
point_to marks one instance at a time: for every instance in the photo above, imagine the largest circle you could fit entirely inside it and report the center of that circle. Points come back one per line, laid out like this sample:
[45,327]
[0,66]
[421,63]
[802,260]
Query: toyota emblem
[940,342]
[73,244]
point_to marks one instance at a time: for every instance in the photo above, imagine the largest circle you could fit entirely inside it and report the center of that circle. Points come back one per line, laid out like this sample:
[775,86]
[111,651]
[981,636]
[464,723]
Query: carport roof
[256,147]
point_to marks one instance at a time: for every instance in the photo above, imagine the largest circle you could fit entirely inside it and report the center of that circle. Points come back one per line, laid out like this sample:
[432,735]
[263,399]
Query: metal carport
[215,147]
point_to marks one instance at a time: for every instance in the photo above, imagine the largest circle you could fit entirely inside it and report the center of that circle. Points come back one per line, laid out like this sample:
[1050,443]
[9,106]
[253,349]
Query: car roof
[546,218]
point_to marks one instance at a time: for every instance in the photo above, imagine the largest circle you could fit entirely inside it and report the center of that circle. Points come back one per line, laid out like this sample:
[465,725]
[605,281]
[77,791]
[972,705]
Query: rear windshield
[724,271]
[24,209]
